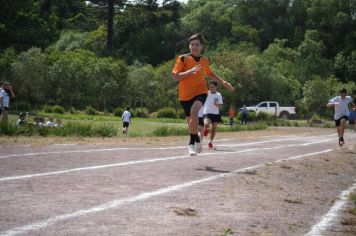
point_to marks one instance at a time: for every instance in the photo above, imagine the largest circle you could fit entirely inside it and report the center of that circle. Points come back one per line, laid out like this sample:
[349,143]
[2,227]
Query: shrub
[140,112]
[72,110]
[181,114]
[58,109]
[153,115]
[118,111]
[47,109]
[263,116]
[89,110]
[167,112]
[169,131]
[315,119]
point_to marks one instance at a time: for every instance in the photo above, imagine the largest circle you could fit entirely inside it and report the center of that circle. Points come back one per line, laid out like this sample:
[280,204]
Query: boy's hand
[196,69]
[228,85]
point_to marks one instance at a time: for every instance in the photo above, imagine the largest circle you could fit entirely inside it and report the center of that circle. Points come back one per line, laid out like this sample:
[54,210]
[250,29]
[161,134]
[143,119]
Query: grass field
[109,125]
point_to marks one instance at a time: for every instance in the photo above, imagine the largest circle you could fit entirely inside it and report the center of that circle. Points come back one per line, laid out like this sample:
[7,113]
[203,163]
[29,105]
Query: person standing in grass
[232,114]
[212,115]
[244,113]
[341,105]
[126,120]
[5,94]
[190,71]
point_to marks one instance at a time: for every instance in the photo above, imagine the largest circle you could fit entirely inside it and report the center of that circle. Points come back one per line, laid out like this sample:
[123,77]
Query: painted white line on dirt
[159,148]
[143,196]
[19,177]
[327,220]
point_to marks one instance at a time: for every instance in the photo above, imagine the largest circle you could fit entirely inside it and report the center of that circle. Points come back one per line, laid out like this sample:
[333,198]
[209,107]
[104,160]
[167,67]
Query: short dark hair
[128,108]
[213,82]
[198,36]
[343,90]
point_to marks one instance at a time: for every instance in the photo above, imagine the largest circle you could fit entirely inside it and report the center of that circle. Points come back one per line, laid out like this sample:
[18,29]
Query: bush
[89,110]
[140,112]
[263,116]
[118,111]
[72,110]
[169,131]
[58,109]
[167,112]
[315,119]
[47,109]
[181,114]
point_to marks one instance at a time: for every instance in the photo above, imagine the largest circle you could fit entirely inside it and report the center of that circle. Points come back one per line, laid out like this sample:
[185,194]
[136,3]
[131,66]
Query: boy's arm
[226,84]
[332,103]
[182,75]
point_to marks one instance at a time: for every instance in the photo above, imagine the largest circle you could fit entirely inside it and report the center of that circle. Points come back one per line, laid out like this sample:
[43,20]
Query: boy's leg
[213,132]
[4,115]
[206,126]
[193,126]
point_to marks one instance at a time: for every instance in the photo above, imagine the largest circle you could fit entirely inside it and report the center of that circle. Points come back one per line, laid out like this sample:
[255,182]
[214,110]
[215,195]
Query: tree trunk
[110,30]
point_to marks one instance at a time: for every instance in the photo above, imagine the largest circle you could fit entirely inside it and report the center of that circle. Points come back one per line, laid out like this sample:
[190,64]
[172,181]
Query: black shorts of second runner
[125,124]
[214,118]
[351,122]
[187,105]
[338,121]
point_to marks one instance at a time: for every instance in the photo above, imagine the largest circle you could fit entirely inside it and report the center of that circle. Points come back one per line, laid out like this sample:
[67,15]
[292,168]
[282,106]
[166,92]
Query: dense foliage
[297,52]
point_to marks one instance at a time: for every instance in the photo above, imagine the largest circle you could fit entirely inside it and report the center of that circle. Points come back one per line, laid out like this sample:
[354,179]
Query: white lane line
[19,177]
[330,217]
[140,197]
[160,148]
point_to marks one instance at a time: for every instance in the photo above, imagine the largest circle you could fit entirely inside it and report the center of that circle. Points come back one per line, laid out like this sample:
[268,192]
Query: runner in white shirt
[212,108]
[126,120]
[341,105]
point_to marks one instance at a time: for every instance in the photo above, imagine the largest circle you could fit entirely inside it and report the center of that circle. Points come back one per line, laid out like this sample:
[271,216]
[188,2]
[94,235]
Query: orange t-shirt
[194,84]
[232,113]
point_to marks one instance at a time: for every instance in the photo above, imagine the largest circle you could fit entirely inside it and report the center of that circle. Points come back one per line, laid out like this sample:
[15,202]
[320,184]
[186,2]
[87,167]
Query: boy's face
[343,95]
[195,47]
[212,88]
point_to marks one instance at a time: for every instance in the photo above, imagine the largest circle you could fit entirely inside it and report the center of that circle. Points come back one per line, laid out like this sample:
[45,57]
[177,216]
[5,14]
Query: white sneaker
[199,147]
[192,150]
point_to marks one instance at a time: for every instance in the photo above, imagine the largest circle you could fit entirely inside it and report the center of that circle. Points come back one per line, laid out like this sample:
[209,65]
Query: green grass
[111,126]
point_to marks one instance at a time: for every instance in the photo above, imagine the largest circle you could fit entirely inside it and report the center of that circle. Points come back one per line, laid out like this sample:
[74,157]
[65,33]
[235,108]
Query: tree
[30,76]
[110,5]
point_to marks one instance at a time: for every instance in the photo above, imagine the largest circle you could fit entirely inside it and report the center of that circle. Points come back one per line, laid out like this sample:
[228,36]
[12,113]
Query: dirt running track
[287,183]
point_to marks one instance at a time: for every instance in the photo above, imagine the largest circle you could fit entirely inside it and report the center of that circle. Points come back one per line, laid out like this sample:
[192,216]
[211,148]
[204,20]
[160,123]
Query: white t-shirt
[209,106]
[341,106]
[126,116]
[5,98]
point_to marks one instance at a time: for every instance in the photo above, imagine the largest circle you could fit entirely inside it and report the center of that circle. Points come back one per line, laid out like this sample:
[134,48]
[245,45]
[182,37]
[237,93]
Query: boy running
[341,104]
[190,71]
[212,112]
[126,120]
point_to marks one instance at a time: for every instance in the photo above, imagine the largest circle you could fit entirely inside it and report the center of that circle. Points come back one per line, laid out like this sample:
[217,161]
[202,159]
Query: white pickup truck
[272,107]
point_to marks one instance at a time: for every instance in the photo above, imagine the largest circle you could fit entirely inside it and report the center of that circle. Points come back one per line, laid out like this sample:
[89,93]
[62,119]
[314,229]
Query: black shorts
[125,124]
[338,121]
[201,121]
[351,122]
[187,105]
[214,118]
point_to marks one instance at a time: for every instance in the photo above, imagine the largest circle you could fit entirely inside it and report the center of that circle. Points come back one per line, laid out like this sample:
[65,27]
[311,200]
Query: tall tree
[110,5]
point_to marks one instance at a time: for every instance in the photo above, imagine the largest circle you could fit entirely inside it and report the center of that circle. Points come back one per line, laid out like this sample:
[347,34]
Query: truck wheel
[284,115]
